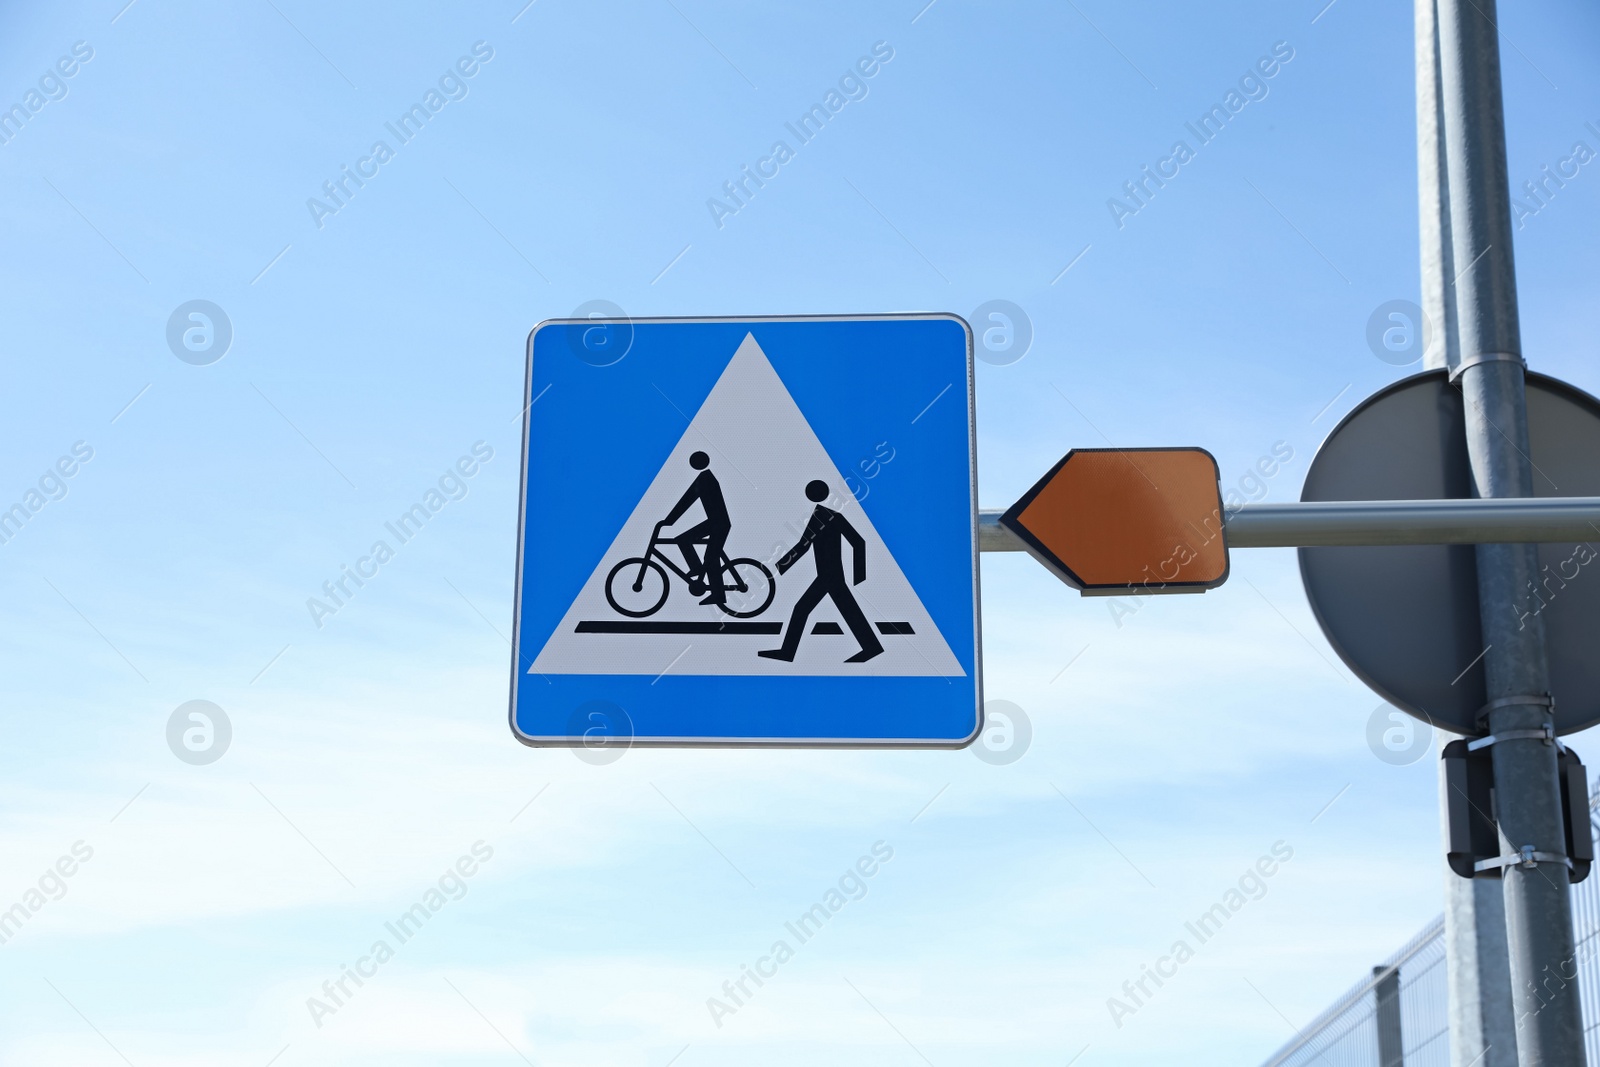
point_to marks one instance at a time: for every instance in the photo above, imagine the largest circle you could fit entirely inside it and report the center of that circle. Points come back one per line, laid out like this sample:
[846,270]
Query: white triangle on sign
[763,453]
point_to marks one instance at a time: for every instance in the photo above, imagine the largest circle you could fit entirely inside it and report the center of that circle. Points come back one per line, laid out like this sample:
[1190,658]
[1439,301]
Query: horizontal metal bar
[992,537]
[1381,522]
[1414,522]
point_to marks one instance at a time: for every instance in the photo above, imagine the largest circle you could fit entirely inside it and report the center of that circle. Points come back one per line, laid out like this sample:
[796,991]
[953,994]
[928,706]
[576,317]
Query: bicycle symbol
[638,586]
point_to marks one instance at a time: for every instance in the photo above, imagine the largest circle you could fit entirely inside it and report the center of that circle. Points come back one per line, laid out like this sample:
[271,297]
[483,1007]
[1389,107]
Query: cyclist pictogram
[638,586]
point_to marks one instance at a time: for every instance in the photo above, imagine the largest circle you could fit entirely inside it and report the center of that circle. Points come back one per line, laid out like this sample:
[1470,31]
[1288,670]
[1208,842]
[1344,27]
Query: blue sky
[1169,752]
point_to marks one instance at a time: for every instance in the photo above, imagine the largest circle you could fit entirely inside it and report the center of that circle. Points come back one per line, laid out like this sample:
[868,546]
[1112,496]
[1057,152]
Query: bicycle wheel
[750,587]
[637,587]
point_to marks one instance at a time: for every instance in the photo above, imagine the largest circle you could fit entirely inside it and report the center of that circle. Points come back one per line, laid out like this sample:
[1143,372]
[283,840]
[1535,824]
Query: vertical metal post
[1391,1042]
[1490,374]
[1433,198]
[1482,1025]
[1477,961]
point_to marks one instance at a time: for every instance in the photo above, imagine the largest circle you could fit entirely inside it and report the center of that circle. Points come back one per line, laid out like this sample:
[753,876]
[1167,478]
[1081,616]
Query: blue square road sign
[748,532]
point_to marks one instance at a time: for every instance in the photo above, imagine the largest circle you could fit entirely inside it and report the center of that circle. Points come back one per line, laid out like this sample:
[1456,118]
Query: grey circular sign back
[1405,618]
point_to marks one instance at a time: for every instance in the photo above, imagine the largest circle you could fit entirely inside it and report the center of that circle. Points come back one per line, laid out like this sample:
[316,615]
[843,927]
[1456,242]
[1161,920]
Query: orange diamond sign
[1127,520]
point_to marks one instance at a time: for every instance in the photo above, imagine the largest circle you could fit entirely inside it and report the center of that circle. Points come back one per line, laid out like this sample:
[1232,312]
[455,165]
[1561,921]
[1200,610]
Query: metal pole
[1414,522]
[1549,1027]
[1478,968]
[1380,522]
[1482,1024]
[1433,198]
[1391,1041]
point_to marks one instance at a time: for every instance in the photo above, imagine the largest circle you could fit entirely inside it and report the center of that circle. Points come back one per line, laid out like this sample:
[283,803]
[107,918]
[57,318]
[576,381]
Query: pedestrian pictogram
[733,566]
[825,535]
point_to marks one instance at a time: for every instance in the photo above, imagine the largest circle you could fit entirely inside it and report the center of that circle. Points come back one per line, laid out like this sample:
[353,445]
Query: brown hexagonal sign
[1127,520]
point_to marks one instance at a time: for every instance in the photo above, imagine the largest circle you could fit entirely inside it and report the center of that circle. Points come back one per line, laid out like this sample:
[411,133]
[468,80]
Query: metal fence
[1399,1017]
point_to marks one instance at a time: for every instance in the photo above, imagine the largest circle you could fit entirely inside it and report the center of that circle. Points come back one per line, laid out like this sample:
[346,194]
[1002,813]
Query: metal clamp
[1546,733]
[1487,357]
[1526,857]
[1543,700]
